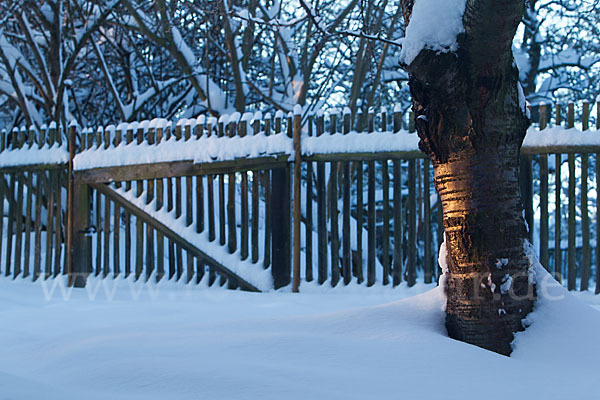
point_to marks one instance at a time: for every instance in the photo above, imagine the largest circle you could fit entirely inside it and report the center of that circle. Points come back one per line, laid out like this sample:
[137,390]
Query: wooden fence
[85,203]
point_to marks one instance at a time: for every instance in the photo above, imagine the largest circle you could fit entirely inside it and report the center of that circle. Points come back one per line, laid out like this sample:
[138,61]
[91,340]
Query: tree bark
[471,124]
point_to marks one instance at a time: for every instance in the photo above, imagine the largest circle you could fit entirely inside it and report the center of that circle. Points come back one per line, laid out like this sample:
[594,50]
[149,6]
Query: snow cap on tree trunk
[434,25]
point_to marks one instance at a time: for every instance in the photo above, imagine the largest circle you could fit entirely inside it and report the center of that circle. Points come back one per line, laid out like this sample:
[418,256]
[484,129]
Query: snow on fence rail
[230,180]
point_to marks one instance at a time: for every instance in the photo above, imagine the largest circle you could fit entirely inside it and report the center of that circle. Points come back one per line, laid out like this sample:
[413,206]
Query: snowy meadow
[119,339]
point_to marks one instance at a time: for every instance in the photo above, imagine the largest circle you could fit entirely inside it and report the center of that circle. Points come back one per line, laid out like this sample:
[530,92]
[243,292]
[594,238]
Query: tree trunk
[487,279]
[471,120]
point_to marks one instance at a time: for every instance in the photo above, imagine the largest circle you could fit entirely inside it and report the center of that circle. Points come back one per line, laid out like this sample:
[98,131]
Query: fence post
[78,244]
[280,219]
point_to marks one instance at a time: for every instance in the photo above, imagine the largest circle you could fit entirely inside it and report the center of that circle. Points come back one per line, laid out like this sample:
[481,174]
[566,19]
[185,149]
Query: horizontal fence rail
[258,202]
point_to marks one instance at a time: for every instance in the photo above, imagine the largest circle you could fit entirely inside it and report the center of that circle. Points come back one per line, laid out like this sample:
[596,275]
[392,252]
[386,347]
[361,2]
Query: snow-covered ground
[121,340]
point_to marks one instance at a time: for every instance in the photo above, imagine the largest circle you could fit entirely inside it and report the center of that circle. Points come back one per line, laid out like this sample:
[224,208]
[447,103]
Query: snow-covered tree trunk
[471,120]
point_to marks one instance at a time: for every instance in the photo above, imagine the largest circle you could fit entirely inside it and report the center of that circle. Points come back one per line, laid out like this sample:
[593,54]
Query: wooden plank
[308,223]
[358,260]
[333,218]
[58,218]
[160,196]
[18,216]
[385,187]
[255,199]
[199,204]
[127,217]
[175,169]
[50,192]
[72,144]
[428,261]
[231,220]
[160,239]
[222,226]
[411,266]
[371,224]
[199,223]
[397,263]
[571,255]
[280,220]
[116,241]
[37,252]
[366,156]
[211,208]
[33,167]
[557,219]
[597,164]
[321,212]
[82,243]
[189,220]
[296,205]
[543,161]
[106,239]
[346,198]
[268,216]
[346,244]
[255,216]
[150,196]
[139,225]
[173,236]
[597,291]
[280,227]
[585,218]
[189,190]
[10,225]
[2,197]
[28,219]
[244,234]
[321,224]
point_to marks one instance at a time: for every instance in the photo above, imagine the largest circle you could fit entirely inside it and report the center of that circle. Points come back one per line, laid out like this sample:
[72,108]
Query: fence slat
[28,219]
[49,222]
[371,223]
[160,198]
[585,219]
[427,261]
[333,217]
[37,252]
[572,265]
[411,267]
[9,225]
[385,187]
[321,212]
[139,226]
[18,224]
[150,195]
[58,227]
[358,259]
[2,197]
[597,291]
[346,245]
[385,256]
[397,266]
[309,212]
[333,211]
[543,195]
[280,218]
